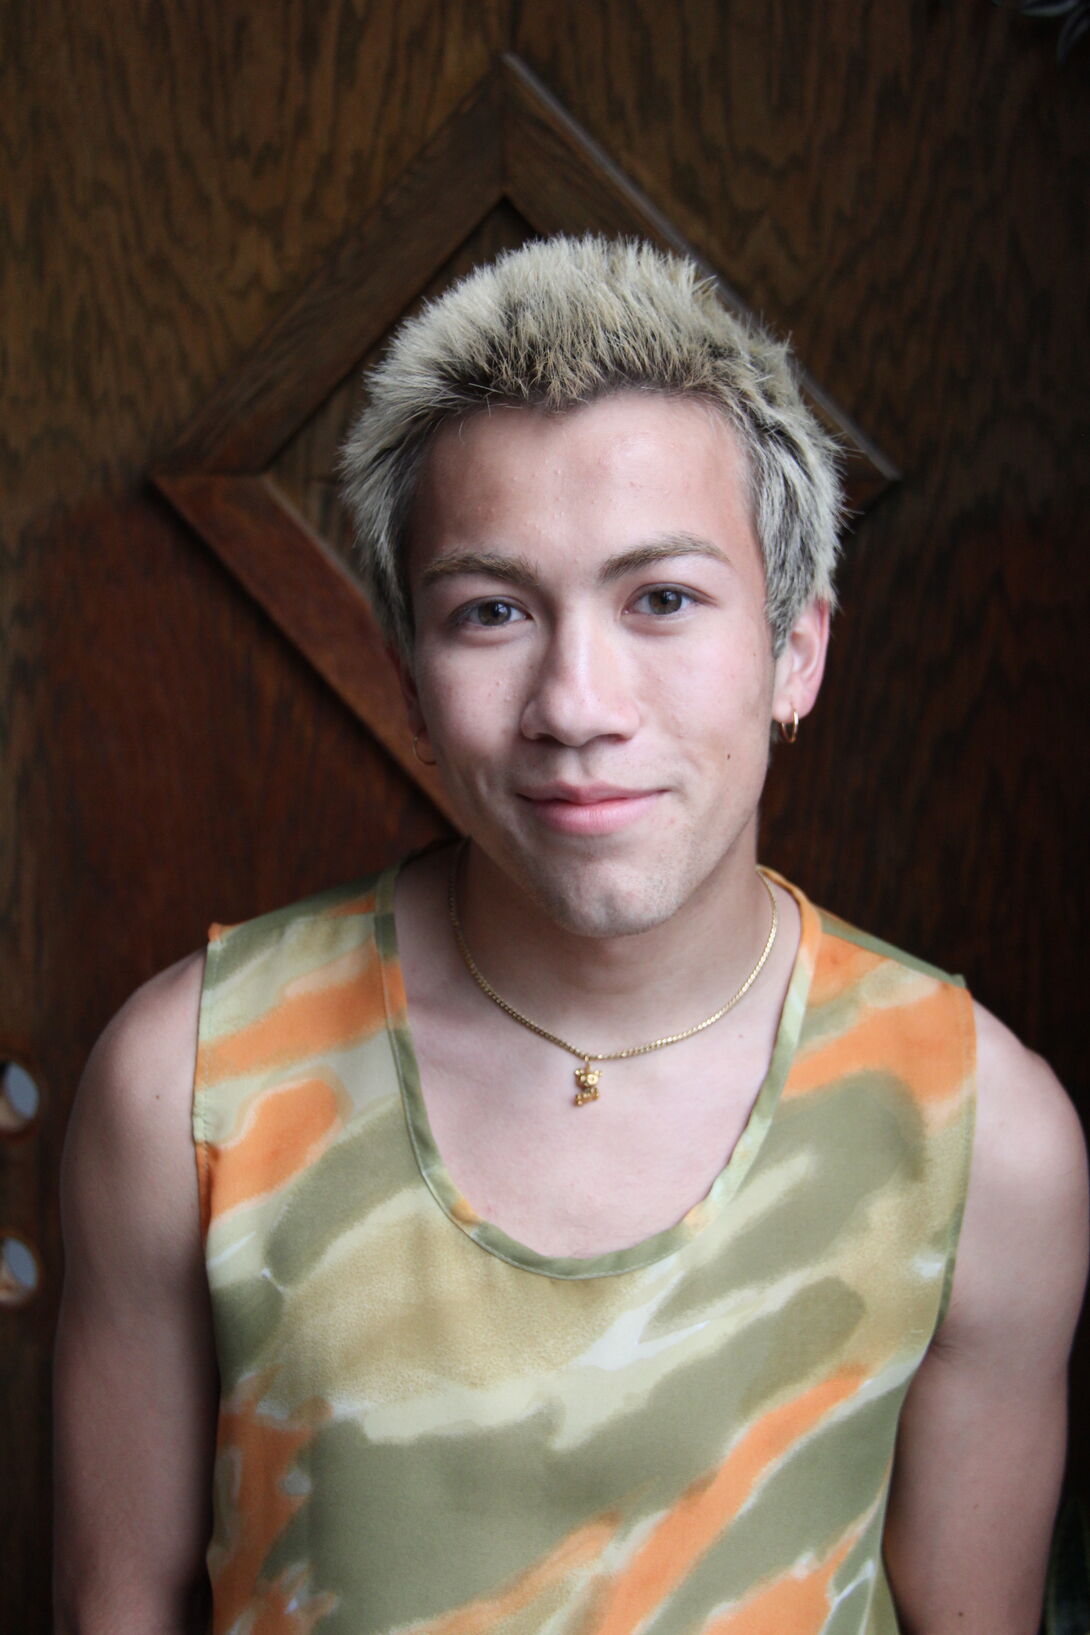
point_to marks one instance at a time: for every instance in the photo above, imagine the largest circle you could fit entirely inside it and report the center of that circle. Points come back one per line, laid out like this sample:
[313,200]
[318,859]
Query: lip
[588,809]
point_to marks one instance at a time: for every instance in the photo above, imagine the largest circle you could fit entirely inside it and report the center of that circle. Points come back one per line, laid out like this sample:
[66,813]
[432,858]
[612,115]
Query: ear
[801,665]
[407,680]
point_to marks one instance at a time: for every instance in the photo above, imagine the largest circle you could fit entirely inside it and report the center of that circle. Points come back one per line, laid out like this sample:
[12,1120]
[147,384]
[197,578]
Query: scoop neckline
[659,1245]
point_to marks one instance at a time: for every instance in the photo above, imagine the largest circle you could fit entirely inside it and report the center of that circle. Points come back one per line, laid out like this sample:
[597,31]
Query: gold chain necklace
[587,1077]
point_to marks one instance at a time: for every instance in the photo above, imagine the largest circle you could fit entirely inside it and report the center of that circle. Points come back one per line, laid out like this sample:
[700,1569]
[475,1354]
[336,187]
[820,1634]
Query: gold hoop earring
[790,733]
[416,751]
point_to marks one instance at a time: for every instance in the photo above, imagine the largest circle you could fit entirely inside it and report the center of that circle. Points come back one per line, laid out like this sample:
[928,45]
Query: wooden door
[213,211]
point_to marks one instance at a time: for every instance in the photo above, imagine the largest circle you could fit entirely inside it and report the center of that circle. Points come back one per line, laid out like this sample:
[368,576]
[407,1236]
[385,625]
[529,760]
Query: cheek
[721,698]
[465,706]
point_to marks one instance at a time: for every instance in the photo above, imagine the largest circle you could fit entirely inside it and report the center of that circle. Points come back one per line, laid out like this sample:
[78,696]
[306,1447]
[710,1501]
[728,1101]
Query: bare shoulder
[1024,1238]
[1029,1138]
[157,1023]
[980,1445]
[135,1372]
[128,1154]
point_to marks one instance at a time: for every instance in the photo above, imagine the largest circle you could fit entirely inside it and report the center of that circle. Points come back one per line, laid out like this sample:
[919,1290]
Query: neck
[607,989]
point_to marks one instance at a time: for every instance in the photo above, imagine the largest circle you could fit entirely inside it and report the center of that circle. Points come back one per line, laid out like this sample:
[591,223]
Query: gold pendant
[586,1079]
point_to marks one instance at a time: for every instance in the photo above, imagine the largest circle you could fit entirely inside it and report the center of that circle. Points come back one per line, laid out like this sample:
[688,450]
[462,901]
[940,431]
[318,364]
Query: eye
[662,600]
[491,614]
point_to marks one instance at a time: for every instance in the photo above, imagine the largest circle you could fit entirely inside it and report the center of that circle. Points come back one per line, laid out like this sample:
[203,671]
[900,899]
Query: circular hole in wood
[20,1273]
[20,1098]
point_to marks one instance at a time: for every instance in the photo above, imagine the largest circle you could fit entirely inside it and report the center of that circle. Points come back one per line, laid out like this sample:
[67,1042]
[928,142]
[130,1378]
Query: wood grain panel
[173,173]
[306,589]
[565,182]
[306,467]
[355,296]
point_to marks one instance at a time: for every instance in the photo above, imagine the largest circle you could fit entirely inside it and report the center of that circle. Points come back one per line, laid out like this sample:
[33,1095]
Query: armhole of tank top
[201,1087]
[967,1113]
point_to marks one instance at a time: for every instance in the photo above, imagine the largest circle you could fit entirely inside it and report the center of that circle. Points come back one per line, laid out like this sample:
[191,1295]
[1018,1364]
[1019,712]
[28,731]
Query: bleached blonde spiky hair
[559,323]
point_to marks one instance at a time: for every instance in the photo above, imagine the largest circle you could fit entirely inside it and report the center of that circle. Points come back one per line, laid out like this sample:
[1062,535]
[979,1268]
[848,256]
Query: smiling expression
[592,665]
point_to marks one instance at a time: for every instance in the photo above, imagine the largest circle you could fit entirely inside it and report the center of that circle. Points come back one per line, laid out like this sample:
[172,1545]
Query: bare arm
[981,1446]
[135,1375]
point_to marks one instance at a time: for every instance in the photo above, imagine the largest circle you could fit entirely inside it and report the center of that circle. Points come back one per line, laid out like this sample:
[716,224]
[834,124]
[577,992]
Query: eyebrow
[662,548]
[519,571]
[516,570]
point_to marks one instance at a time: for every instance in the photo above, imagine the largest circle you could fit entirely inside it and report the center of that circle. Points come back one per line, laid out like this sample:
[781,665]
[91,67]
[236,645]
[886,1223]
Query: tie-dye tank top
[426,1427]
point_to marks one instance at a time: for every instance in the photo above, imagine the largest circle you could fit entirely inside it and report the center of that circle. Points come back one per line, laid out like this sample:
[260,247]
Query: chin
[596,902]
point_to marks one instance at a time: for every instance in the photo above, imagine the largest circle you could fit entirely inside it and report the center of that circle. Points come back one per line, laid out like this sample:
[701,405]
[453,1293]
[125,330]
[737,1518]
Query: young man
[579,1207]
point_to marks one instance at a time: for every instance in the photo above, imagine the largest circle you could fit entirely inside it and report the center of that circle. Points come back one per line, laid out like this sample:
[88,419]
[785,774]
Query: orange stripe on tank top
[842,965]
[578,1550]
[688,1530]
[254,1455]
[285,1132]
[799,1603]
[927,1032]
[320,1019]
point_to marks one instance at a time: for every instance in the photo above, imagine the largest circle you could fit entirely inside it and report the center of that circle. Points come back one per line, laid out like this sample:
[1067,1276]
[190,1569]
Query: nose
[581,688]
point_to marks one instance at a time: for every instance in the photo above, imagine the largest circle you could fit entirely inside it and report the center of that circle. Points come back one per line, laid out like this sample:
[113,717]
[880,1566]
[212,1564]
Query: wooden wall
[900,188]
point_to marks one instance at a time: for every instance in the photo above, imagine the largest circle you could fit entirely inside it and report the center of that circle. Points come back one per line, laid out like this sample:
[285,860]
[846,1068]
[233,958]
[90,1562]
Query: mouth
[588,809]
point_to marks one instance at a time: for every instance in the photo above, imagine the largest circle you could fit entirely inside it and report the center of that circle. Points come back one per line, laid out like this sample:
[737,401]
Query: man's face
[592,664]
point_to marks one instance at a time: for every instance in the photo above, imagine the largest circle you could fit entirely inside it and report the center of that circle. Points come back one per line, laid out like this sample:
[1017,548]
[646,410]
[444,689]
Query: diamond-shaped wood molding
[509,140]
